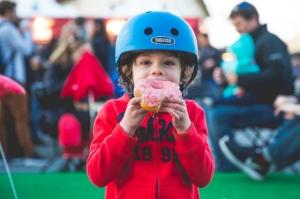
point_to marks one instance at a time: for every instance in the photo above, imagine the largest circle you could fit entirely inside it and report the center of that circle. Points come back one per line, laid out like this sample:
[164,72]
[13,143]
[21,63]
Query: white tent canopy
[108,8]
[126,8]
[47,8]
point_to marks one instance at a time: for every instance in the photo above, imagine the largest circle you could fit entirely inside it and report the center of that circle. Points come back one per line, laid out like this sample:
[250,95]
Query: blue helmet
[156,30]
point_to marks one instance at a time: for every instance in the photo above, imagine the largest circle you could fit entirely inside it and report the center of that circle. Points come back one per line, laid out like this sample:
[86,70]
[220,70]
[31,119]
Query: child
[239,59]
[139,154]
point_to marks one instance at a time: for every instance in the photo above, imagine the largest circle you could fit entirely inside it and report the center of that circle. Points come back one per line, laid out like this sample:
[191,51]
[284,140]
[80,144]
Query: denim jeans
[284,149]
[225,119]
[35,116]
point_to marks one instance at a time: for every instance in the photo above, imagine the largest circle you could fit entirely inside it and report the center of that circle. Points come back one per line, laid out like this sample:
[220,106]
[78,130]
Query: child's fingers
[175,100]
[135,101]
[139,111]
[177,106]
[171,111]
[175,115]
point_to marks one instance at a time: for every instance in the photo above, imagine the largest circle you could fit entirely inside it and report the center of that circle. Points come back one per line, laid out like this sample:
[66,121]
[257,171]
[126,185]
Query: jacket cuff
[189,140]
[123,142]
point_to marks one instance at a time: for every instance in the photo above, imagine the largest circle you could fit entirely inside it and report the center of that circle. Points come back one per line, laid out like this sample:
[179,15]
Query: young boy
[241,61]
[139,154]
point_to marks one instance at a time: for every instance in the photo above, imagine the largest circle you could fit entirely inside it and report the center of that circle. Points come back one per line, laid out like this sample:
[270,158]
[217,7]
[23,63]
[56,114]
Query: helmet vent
[174,32]
[148,31]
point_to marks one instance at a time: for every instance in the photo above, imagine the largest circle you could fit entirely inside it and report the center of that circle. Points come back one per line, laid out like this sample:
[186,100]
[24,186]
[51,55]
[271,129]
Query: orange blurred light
[42,30]
[114,26]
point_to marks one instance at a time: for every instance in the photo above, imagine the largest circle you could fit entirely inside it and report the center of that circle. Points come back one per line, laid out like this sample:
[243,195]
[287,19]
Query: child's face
[156,65]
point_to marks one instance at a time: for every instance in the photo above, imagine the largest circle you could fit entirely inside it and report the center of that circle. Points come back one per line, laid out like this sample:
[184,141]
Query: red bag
[87,76]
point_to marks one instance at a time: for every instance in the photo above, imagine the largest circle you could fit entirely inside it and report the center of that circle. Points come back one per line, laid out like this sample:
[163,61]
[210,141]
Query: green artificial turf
[76,185]
[239,186]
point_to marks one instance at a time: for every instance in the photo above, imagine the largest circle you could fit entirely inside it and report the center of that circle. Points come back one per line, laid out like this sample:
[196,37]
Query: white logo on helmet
[163,40]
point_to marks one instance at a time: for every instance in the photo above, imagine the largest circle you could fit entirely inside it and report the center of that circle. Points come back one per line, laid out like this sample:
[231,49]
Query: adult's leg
[284,149]
[34,117]
[223,120]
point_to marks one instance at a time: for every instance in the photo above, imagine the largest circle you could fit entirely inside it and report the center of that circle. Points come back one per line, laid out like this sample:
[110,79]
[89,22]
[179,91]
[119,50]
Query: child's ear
[125,69]
[187,73]
[127,72]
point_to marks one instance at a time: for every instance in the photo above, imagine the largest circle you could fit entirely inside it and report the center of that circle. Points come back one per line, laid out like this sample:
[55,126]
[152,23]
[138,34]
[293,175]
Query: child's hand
[239,92]
[231,78]
[177,108]
[133,116]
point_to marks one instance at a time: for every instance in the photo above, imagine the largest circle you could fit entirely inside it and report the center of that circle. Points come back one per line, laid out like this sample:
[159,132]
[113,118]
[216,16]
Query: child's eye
[169,63]
[146,62]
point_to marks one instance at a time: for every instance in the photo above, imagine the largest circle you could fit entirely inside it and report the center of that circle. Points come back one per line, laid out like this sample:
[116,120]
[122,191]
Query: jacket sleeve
[21,43]
[110,150]
[193,150]
[272,64]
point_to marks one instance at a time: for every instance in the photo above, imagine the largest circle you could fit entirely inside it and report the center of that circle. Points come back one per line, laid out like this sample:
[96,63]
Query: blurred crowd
[252,83]
[43,70]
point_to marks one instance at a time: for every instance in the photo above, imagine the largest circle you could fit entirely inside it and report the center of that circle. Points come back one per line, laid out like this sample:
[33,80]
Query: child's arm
[192,143]
[111,148]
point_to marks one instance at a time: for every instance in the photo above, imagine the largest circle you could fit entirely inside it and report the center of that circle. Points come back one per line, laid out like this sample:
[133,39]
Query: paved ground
[45,164]
[50,161]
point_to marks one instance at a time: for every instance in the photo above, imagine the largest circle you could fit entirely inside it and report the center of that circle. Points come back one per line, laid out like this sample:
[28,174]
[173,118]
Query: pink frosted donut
[153,91]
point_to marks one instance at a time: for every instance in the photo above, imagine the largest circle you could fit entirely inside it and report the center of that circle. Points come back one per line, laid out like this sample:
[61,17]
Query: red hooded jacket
[156,162]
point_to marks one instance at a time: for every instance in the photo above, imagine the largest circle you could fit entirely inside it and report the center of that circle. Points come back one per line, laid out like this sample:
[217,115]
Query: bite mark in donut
[154,91]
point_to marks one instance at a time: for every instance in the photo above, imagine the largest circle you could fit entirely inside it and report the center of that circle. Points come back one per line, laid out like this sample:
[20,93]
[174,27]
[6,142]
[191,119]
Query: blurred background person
[100,44]
[273,79]
[15,44]
[295,59]
[238,59]
[74,30]
[282,151]
[204,86]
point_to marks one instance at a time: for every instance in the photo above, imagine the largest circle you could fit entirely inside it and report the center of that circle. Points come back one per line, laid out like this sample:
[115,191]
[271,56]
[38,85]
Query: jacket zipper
[156,154]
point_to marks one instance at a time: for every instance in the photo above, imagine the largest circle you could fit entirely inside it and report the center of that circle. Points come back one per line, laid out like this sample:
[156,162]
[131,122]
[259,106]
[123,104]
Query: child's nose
[156,70]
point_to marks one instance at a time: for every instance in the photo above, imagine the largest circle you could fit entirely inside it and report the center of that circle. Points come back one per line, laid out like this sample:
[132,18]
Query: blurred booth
[47,17]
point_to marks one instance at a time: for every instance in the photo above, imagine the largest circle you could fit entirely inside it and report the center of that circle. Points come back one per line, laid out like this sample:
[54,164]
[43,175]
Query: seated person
[263,159]
[274,78]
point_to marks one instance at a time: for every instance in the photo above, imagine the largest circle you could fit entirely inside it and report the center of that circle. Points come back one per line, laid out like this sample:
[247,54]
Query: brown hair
[244,10]
[6,6]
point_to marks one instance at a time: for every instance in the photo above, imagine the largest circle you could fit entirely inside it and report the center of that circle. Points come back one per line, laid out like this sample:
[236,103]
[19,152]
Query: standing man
[274,78]
[15,44]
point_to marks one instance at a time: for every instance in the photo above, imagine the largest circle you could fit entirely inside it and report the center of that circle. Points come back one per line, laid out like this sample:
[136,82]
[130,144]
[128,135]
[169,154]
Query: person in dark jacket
[274,78]
[209,58]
